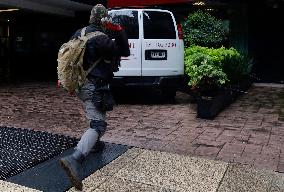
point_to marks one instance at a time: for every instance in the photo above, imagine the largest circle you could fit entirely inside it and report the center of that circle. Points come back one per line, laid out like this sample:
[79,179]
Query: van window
[129,20]
[158,25]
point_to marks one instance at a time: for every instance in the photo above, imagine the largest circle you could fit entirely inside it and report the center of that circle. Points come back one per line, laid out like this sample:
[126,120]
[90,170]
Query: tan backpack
[70,61]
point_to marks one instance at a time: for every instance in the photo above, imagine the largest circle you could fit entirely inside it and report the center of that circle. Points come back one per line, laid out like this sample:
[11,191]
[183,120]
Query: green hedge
[209,68]
[201,28]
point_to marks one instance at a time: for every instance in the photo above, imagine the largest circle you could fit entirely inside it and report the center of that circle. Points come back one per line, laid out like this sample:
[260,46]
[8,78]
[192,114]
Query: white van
[157,50]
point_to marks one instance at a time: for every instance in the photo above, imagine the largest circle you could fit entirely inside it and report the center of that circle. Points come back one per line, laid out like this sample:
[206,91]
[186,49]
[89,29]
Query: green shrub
[209,68]
[204,74]
[234,64]
[203,29]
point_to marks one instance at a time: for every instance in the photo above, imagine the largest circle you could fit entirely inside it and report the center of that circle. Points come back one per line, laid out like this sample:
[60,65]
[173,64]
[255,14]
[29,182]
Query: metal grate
[21,149]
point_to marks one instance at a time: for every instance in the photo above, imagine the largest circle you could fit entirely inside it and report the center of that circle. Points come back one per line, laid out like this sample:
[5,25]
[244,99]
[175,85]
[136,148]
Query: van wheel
[169,93]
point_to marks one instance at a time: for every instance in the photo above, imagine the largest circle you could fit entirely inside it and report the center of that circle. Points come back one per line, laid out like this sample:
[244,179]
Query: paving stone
[122,185]
[180,148]
[232,148]
[274,139]
[210,142]
[277,131]
[206,151]
[280,167]
[244,178]
[259,138]
[265,162]
[224,138]
[155,144]
[11,187]
[252,150]
[270,151]
[181,173]
[230,151]
[245,160]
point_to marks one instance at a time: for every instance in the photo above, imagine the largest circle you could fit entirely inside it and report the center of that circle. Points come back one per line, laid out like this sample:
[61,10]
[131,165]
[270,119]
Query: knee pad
[99,126]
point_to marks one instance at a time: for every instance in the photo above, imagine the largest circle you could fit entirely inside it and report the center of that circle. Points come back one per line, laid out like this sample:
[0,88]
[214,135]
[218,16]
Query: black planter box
[209,107]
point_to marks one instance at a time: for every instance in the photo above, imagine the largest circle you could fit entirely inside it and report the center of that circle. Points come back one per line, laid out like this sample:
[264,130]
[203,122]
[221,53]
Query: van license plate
[156,55]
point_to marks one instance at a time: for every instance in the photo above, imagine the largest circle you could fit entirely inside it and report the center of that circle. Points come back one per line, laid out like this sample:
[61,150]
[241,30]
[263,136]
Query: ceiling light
[199,3]
[8,10]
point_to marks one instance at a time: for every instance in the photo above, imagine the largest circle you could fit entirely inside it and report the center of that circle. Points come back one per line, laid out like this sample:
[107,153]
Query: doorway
[266,39]
[4,50]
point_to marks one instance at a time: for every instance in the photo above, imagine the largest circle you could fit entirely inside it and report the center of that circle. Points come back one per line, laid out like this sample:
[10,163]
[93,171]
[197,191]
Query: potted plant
[216,77]
[206,80]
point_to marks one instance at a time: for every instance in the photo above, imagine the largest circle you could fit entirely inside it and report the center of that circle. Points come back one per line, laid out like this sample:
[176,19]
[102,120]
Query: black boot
[72,166]
[99,146]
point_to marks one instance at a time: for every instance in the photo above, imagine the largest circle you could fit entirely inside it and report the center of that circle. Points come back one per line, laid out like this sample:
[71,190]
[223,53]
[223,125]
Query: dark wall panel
[34,42]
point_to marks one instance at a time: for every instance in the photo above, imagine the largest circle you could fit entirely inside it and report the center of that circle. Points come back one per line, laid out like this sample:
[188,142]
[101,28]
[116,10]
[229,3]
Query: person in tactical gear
[95,93]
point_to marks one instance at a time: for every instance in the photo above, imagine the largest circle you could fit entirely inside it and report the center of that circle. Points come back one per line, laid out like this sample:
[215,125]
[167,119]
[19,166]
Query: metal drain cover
[21,149]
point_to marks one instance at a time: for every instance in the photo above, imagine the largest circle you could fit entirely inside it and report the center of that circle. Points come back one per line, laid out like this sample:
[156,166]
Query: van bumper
[155,82]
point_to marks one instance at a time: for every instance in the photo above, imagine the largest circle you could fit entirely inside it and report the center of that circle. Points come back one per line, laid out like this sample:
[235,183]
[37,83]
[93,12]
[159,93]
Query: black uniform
[104,47]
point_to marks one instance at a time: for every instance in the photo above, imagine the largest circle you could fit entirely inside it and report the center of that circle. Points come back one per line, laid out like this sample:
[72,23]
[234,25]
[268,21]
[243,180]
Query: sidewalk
[250,131]
[242,147]
[153,171]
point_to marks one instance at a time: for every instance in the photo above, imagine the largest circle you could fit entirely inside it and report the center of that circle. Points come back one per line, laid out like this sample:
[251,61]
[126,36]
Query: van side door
[130,66]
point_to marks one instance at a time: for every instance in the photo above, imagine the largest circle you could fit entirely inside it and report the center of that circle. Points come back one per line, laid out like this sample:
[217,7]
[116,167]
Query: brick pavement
[249,131]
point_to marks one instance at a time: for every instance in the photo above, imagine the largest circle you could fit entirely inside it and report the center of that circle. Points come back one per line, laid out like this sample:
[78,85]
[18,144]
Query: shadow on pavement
[149,96]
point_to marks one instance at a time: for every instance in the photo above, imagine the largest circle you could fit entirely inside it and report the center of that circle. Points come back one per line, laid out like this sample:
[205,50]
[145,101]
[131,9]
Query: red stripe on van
[180,32]
[127,3]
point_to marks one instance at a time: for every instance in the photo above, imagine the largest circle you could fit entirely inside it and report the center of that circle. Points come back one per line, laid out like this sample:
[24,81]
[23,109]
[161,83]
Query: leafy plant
[233,64]
[210,69]
[201,28]
[204,75]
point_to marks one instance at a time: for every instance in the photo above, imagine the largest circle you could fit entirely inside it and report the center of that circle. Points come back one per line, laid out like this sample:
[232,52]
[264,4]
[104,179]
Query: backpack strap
[94,64]
[86,37]
[93,34]
[83,32]
[89,36]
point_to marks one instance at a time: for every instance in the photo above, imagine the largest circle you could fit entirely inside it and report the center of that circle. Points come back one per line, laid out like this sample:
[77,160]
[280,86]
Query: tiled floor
[250,131]
[152,171]
[140,170]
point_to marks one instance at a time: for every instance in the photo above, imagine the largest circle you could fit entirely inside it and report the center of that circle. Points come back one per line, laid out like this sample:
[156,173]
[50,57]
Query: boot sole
[74,180]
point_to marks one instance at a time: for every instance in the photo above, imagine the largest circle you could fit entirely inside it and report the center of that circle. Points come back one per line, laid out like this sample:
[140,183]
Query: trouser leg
[96,118]
[87,141]
[72,163]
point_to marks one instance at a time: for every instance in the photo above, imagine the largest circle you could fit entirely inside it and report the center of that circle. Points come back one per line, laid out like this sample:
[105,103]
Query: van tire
[168,93]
